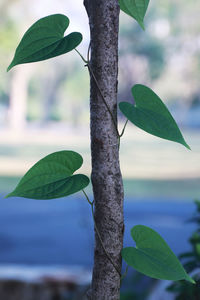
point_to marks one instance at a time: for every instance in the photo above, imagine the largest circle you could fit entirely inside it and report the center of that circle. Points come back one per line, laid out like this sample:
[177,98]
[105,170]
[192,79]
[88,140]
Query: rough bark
[106,175]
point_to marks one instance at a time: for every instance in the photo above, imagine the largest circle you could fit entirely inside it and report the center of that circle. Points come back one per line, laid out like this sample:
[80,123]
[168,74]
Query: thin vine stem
[102,244]
[99,236]
[88,200]
[88,52]
[123,129]
[85,61]
[103,98]
[97,84]
[124,275]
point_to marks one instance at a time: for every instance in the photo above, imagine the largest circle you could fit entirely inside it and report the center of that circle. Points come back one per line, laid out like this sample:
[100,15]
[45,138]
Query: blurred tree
[8,38]
[177,43]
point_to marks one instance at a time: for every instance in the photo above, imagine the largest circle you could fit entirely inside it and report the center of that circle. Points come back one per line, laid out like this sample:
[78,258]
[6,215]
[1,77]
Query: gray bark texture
[106,175]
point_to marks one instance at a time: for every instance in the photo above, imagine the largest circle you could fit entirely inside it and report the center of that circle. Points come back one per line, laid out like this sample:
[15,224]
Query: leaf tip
[190,279]
[8,196]
[142,26]
[141,23]
[185,144]
[9,67]
[12,194]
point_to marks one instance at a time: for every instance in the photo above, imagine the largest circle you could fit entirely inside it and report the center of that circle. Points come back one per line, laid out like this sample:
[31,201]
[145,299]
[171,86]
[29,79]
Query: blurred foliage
[167,52]
[8,38]
[9,31]
[191,262]
[144,45]
[166,57]
[59,95]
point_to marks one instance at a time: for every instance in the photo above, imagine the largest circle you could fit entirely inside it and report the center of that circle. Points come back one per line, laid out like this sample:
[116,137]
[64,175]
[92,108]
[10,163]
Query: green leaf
[44,40]
[135,8]
[150,114]
[52,177]
[153,257]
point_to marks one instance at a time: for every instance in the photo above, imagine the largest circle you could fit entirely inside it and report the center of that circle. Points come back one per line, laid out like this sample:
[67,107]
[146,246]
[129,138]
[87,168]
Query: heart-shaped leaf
[52,177]
[135,8]
[153,257]
[150,114]
[44,39]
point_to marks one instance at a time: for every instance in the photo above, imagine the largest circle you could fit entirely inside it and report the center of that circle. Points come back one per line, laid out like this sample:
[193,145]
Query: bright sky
[73,9]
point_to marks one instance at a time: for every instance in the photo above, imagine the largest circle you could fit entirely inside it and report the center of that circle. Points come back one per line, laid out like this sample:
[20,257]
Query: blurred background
[44,107]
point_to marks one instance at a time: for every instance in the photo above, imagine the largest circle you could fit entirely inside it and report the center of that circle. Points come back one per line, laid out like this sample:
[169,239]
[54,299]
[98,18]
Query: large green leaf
[44,39]
[135,8]
[52,177]
[150,114]
[152,256]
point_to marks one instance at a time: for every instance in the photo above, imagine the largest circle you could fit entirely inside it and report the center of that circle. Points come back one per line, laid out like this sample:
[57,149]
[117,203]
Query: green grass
[151,167]
[144,188]
[176,188]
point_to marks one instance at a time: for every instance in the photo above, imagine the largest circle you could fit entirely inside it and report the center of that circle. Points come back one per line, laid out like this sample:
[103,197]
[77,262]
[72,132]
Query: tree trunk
[106,175]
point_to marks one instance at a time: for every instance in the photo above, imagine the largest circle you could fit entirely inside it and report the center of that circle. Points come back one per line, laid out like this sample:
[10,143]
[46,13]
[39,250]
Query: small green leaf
[153,257]
[135,8]
[150,114]
[44,40]
[52,177]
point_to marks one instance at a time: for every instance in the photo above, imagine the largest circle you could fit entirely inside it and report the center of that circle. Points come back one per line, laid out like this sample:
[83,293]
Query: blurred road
[61,231]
